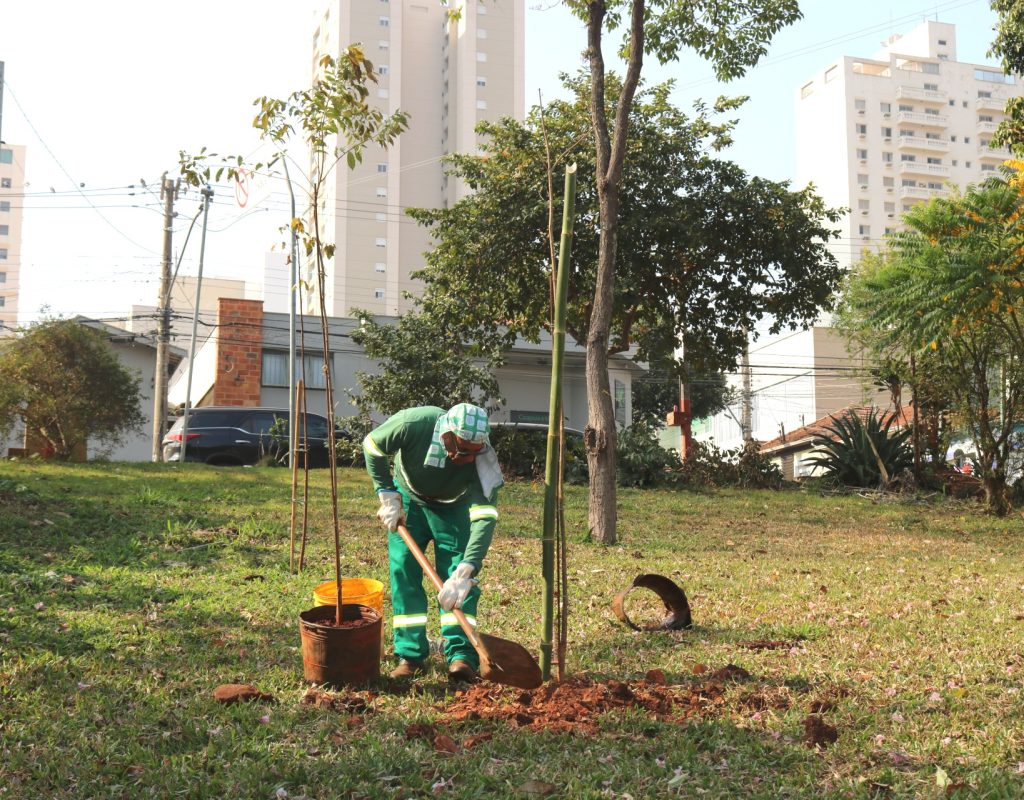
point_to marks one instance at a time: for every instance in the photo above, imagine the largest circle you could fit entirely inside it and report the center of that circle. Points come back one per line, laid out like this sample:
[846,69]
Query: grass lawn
[129,592]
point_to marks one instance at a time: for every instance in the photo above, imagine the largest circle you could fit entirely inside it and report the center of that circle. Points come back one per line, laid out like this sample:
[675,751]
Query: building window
[481,33]
[383,44]
[942,42]
[806,89]
[862,179]
[907,132]
[3,277]
[860,104]
[886,107]
[933,111]
[865,230]
[967,140]
[930,68]
[862,154]
[887,182]
[382,69]
[932,136]
[864,205]
[378,294]
[481,104]
[6,156]
[887,133]
[3,253]
[933,160]
[908,182]
[890,208]
[907,157]
[985,118]
[888,231]
[988,167]
[5,205]
[983,93]
[862,129]
[967,164]
[905,107]
[5,183]
[382,167]
[380,241]
[5,230]
[3,302]
[619,388]
[384,22]
[382,191]
[954,162]
[275,370]
[380,266]
[481,57]
[952,102]
[934,185]
[481,81]
[887,157]
[931,87]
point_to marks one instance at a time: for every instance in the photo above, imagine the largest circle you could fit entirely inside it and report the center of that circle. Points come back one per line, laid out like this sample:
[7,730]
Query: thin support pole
[207,194]
[305,476]
[295,490]
[552,469]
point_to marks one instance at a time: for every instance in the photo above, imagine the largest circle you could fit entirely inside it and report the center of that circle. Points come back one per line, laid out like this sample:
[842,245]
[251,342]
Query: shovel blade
[508,663]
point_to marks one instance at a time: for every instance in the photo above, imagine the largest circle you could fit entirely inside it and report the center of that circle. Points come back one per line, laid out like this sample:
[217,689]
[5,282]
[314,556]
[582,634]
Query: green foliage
[351,432]
[655,394]
[684,215]
[948,293]
[424,361]
[642,462]
[855,451]
[62,381]
[522,453]
[1009,47]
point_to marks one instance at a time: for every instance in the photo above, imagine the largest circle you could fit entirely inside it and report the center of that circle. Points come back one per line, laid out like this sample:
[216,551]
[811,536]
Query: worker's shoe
[408,668]
[462,671]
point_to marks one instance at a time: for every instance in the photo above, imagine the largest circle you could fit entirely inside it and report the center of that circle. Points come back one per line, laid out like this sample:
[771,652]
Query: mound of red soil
[574,705]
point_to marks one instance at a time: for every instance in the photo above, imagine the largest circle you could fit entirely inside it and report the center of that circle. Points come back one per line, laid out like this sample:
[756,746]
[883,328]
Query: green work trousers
[448,528]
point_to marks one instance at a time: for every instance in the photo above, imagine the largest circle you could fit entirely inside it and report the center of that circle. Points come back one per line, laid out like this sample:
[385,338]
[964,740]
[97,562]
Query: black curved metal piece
[677,607]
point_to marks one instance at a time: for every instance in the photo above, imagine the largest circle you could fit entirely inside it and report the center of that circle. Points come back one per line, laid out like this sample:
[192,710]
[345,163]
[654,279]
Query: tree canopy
[950,290]
[67,387]
[704,248]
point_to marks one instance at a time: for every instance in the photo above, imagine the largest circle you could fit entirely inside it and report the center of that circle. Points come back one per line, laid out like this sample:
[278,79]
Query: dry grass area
[877,648]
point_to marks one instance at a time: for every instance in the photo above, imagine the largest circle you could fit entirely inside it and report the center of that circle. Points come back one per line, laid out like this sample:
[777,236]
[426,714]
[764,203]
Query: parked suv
[235,435]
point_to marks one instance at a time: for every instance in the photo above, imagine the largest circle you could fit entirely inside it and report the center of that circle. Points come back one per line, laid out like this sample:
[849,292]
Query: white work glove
[455,590]
[390,511]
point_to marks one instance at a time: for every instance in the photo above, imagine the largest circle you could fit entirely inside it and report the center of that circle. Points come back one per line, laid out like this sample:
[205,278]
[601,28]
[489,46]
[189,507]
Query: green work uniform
[444,504]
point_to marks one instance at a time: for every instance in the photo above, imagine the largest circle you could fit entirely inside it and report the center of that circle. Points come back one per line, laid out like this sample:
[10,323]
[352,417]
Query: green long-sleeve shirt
[407,436]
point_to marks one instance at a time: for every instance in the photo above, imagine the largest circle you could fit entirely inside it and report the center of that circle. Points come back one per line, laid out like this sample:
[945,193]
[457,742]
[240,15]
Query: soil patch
[229,693]
[818,733]
[574,705]
[348,702]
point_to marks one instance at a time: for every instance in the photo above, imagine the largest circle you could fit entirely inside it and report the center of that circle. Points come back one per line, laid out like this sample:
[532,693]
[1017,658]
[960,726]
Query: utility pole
[745,409]
[168,193]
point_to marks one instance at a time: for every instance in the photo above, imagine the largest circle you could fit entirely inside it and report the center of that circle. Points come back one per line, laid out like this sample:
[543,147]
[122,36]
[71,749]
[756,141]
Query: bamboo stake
[294,460]
[305,471]
[552,469]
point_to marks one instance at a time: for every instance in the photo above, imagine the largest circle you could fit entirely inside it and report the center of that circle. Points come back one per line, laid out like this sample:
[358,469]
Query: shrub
[642,461]
[857,450]
[522,453]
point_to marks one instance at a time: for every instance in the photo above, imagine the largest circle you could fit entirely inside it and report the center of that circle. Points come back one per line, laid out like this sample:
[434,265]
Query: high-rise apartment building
[12,201]
[879,135]
[448,71]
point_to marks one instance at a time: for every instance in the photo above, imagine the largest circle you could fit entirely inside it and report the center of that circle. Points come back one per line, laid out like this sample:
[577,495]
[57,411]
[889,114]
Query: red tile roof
[820,427]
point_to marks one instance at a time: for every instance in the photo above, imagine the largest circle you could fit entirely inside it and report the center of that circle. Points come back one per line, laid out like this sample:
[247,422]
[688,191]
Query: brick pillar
[239,352]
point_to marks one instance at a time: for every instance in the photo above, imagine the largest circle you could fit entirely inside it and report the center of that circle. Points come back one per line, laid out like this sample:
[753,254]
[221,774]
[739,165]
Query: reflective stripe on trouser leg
[408,600]
[450,527]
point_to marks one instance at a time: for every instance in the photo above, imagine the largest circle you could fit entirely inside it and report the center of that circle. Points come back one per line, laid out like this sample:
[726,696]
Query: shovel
[501,660]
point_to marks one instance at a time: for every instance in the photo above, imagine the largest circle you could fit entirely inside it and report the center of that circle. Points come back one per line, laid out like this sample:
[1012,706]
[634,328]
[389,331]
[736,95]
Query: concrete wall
[12,200]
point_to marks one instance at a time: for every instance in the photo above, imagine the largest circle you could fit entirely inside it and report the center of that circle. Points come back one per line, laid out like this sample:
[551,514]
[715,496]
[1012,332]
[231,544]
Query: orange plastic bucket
[357,591]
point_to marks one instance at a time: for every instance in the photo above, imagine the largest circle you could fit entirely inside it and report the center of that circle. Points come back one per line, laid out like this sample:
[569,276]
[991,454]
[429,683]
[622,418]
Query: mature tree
[423,364]
[951,290]
[704,250]
[67,387]
[1009,46]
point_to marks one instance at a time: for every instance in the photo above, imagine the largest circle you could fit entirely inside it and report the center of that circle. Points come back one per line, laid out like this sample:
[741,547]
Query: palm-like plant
[863,453]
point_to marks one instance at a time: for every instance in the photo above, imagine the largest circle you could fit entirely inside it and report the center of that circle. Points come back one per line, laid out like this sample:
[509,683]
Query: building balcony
[924,95]
[923,168]
[923,143]
[928,120]
[996,153]
[987,127]
[922,192]
[992,103]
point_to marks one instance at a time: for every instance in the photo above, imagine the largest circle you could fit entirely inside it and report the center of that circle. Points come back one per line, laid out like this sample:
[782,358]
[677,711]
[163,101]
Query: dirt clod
[420,730]
[730,672]
[229,693]
[443,743]
[574,705]
[656,676]
[818,733]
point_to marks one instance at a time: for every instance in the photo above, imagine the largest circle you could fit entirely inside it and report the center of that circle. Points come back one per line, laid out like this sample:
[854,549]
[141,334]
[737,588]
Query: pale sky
[106,93]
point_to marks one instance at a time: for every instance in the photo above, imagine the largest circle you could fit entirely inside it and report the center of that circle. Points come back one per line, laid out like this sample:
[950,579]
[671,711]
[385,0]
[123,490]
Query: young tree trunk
[600,434]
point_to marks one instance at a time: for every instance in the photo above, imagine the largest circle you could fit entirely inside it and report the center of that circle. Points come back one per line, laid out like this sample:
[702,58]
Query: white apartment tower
[12,201]
[449,66]
[879,135]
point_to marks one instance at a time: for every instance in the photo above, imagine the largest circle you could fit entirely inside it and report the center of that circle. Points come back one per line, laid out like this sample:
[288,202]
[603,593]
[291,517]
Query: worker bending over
[445,487]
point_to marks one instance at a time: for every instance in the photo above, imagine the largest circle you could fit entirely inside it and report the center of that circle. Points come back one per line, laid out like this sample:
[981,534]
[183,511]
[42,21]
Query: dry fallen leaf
[445,744]
[538,788]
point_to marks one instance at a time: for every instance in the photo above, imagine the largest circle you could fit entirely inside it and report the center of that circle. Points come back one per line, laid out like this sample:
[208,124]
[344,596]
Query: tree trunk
[995,495]
[600,434]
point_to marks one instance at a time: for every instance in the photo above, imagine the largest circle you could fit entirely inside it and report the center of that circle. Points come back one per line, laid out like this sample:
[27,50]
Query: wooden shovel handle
[428,568]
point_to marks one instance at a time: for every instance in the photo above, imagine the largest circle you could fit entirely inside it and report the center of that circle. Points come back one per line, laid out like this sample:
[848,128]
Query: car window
[316,427]
[214,419]
[259,422]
